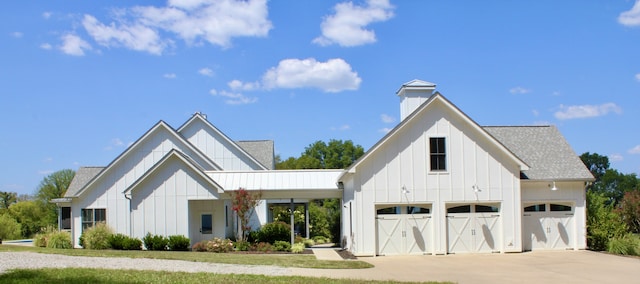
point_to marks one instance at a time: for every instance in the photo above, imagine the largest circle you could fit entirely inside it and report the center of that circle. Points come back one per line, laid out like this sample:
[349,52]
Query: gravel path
[30,260]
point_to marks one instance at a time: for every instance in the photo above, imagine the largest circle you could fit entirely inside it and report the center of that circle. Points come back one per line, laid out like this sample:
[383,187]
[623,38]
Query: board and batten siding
[217,148]
[107,191]
[403,161]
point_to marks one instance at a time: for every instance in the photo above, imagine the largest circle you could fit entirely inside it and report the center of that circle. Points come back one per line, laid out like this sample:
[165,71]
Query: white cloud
[46,46]
[17,34]
[616,157]
[535,112]
[335,75]
[631,17]
[234,98]
[47,160]
[170,75]
[137,37]
[45,172]
[347,26]
[638,77]
[206,72]
[519,90]
[387,118]
[46,15]
[385,130]
[635,150]
[114,143]
[341,128]
[237,85]
[74,45]
[586,111]
[213,21]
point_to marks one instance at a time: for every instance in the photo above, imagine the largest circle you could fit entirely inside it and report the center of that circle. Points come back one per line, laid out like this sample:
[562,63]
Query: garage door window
[389,210]
[418,210]
[487,209]
[460,209]
[536,208]
[559,207]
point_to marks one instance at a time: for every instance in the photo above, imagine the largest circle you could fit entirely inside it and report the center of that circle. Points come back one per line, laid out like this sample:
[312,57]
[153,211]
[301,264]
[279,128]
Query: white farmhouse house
[437,183]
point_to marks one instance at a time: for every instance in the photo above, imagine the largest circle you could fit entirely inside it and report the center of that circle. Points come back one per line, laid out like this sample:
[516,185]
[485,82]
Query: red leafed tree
[244,203]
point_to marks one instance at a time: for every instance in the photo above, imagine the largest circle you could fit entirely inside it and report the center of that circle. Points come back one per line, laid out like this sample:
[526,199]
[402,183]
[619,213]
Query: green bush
[96,237]
[272,232]
[155,242]
[242,246]
[282,246]
[297,248]
[116,241]
[264,247]
[42,237]
[321,240]
[178,243]
[59,240]
[132,244]
[10,229]
[219,245]
[603,223]
[308,243]
[627,245]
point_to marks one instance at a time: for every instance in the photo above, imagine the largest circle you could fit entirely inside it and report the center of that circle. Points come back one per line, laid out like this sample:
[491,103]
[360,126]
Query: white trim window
[92,216]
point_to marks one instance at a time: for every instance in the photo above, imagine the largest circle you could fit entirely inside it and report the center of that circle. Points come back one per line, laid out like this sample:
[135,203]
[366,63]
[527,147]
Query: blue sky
[82,80]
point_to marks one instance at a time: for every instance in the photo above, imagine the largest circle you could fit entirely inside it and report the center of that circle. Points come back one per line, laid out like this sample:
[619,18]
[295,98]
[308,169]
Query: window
[460,209]
[559,207]
[536,208]
[487,209]
[65,218]
[418,210]
[92,216]
[438,154]
[389,210]
[206,222]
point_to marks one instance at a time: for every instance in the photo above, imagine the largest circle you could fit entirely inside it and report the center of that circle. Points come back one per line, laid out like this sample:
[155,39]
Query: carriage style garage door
[404,230]
[473,228]
[548,226]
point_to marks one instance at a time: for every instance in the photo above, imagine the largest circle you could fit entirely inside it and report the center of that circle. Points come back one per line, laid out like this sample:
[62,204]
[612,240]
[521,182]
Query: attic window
[438,154]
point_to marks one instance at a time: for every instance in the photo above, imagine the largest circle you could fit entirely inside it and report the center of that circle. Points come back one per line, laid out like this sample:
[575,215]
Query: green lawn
[284,260]
[96,276]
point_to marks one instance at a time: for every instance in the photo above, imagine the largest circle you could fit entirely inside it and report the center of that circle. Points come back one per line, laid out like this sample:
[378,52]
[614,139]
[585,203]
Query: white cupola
[412,94]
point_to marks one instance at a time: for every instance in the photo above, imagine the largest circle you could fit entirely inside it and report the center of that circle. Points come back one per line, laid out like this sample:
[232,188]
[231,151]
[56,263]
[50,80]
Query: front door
[206,226]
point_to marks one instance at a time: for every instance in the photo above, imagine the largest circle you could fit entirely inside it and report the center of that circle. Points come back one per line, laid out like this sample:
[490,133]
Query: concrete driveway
[521,268]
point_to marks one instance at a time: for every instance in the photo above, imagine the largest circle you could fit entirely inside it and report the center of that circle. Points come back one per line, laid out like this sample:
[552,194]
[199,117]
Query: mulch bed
[345,254]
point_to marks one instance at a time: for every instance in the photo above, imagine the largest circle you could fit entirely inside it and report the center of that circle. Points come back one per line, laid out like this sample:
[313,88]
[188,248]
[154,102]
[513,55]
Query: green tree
[244,203]
[603,223]
[596,164]
[6,199]
[630,210]
[9,228]
[30,215]
[53,186]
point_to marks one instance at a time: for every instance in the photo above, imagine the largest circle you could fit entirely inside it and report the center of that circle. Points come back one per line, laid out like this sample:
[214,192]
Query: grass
[283,260]
[97,276]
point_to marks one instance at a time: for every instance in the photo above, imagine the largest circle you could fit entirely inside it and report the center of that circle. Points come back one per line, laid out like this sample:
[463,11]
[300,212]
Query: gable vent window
[438,154]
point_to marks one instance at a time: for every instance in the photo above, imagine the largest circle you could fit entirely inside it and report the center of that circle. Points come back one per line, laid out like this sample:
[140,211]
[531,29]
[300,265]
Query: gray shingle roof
[261,150]
[544,149]
[82,177]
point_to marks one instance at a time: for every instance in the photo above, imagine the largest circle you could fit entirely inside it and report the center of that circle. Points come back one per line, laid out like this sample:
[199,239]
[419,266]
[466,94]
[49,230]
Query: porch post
[306,218]
[293,232]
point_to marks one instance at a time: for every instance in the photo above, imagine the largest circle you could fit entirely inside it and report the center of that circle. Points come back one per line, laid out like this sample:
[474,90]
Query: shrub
[243,246]
[308,243]
[116,241]
[199,246]
[603,223]
[272,232]
[42,237]
[59,240]
[10,229]
[282,246]
[131,244]
[97,237]
[155,242]
[264,247]
[320,240]
[178,243]
[219,245]
[297,248]
[627,245]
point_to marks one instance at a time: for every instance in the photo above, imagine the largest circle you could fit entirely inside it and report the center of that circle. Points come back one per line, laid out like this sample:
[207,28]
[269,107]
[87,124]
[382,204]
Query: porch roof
[278,180]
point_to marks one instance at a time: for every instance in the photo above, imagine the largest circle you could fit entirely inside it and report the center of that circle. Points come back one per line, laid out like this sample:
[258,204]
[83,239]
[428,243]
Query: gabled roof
[181,157]
[200,117]
[416,84]
[545,150]
[262,150]
[82,177]
[419,111]
[160,126]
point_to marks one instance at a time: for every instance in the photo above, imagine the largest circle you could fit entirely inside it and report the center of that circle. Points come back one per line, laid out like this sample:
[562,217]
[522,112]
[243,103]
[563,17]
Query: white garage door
[548,226]
[473,228]
[404,230]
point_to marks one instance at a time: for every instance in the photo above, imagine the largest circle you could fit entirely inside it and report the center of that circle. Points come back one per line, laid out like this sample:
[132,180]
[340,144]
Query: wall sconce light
[476,188]
[554,188]
[405,190]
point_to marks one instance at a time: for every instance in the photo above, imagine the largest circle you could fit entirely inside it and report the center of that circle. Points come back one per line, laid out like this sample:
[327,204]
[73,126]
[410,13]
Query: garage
[403,229]
[473,228]
[548,226]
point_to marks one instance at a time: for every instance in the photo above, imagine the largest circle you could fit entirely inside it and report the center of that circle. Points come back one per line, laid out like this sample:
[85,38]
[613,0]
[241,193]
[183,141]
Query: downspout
[128,197]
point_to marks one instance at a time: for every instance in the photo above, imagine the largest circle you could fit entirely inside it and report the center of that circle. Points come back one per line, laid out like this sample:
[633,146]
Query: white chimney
[412,94]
